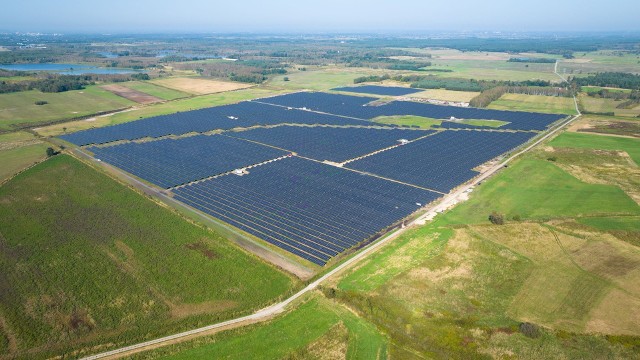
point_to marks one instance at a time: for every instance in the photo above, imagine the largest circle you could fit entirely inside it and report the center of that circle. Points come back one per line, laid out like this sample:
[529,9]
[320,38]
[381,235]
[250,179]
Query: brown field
[607,125]
[130,94]
[446,95]
[200,86]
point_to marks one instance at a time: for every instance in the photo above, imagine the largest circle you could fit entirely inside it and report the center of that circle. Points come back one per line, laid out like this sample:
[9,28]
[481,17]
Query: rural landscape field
[319,181]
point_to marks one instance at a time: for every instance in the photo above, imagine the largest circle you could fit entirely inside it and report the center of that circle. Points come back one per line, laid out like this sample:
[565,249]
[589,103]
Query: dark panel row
[170,162]
[324,143]
[441,161]
[310,209]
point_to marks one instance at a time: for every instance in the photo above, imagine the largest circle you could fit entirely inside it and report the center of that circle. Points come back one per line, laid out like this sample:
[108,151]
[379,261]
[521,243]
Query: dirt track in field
[130,94]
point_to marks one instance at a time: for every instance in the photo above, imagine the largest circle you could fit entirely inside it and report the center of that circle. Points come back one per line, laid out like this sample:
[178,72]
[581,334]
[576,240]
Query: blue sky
[116,16]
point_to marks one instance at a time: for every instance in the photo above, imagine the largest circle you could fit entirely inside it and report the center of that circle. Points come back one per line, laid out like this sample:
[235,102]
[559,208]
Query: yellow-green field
[199,86]
[19,109]
[599,105]
[446,95]
[535,103]
[155,90]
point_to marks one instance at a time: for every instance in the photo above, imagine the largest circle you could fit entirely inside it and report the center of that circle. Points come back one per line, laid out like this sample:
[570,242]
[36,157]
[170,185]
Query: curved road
[269,312]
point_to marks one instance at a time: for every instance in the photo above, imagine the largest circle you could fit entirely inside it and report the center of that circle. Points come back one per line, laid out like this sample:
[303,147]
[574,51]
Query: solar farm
[310,172]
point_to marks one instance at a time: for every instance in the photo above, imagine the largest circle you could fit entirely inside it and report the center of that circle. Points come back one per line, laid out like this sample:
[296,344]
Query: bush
[517,217]
[286,78]
[530,330]
[41,102]
[496,218]
[51,152]
[552,158]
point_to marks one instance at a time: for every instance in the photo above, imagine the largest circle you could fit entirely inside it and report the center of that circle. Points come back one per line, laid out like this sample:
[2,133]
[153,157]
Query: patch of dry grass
[199,86]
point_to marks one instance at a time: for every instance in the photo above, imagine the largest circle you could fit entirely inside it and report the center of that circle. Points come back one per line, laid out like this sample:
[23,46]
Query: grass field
[408,120]
[18,109]
[446,95]
[317,329]
[324,78]
[200,86]
[535,103]
[592,89]
[589,141]
[161,92]
[197,102]
[608,125]
[538,189]
[495,70]
[145,271]
[596,105]
[18,158]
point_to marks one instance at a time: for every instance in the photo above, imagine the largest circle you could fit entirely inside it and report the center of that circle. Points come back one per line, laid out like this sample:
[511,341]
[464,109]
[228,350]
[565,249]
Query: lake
[68,69]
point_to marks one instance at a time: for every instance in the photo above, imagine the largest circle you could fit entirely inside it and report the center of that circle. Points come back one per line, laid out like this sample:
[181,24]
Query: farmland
[18,109]
[198,86]
[161,92]
[115,238]
[535,103]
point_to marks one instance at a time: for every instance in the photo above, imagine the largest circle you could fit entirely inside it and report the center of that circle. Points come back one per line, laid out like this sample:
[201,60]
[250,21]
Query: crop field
[161,92]
[446,95]
[115,238]
[19,109]
[535,103]
[130,94]
[204,174]
[198,86]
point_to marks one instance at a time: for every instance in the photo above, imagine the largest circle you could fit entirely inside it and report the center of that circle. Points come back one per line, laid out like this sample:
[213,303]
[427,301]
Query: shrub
[41,102]
[496,218]
[517,217]
[552,158]
[530,330]
[51,152]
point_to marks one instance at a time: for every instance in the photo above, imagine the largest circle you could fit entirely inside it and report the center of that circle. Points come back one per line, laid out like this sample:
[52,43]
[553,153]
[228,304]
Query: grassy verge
[144,270]
[319,328]
[19,109]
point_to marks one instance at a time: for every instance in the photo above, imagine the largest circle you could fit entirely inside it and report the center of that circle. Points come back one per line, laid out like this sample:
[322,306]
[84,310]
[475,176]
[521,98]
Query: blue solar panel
[325,143]
[441,161]
[244,114]
[356,107]
[379,90]
[170,162]
[313,210]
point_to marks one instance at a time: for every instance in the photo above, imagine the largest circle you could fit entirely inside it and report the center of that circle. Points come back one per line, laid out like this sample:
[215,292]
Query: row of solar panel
[244,114]
[172,162]
[356,107]
[334,144]
[310,209]
[441,161]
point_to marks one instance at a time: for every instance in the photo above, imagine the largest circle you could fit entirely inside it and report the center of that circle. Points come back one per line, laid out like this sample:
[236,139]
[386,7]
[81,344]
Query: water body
[68,69]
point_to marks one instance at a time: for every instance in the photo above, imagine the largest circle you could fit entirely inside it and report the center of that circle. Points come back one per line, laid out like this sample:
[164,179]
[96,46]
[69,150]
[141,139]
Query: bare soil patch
[130,94]
[199,86]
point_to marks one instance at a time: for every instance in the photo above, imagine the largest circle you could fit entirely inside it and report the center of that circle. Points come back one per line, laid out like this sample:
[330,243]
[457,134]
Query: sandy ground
[130,94]
[200,86]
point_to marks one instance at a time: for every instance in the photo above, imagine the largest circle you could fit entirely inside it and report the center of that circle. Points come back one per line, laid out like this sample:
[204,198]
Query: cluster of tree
[54,83]
[532,60]
[610,79]
[371,78]
[433,82]
[487,96]
[615,94]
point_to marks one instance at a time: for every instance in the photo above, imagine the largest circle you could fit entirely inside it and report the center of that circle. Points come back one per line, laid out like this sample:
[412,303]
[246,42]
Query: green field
[538,189]
[324,78]
[600,105]
[155,90]
[19,109]
[495,70]
[145,271]
[193,103]
[629,223]
[535,103]
[16,159]
[426,123]
[318,328]
[589,141]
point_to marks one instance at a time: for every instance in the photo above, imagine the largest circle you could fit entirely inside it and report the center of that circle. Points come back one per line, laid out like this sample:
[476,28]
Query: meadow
[161,92]
[18,110]
[535,103]
[145,270]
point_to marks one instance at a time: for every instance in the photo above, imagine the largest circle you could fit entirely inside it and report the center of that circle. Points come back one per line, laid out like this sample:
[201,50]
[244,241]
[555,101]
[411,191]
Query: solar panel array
[170,162]
[355,106]
[244,114]
[312,210]
[335,144]
[379,90]
[441,161]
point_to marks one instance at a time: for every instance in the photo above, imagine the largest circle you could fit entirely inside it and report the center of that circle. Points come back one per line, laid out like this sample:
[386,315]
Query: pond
[68,69]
